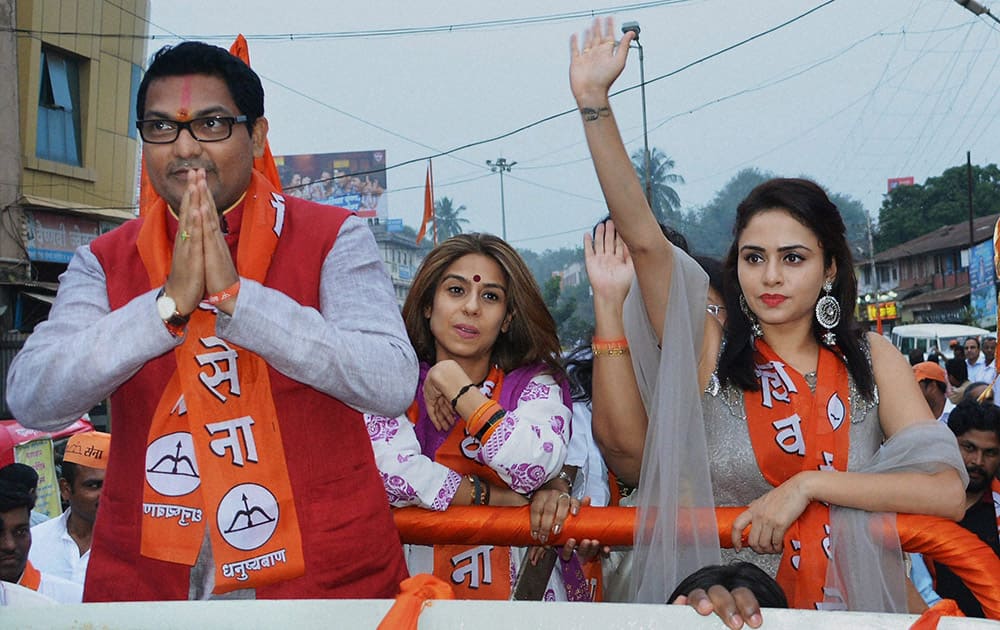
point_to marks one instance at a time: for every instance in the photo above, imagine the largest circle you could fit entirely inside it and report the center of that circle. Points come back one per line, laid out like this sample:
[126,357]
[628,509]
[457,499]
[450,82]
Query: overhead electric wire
[844,152]
[377,33]
[448,152]
[551,117]
[922,140]
[573,110]
[761,86]
[899,79]
[974,126]
[908,80]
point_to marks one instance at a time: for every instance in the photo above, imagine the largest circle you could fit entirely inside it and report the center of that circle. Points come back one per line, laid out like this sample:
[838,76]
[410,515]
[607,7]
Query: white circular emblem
[171,468]
[247,516]
[835,411]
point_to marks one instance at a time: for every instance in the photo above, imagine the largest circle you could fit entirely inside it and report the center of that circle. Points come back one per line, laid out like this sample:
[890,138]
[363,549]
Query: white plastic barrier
[440,615]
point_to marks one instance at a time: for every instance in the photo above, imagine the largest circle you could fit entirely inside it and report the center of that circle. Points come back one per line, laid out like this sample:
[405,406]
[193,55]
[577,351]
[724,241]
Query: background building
[927,279]
[69,147]
[402,256]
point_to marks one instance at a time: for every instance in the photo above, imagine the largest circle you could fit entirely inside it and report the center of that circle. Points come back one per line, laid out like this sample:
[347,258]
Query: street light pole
[501,165]
[633,27]
[977,9]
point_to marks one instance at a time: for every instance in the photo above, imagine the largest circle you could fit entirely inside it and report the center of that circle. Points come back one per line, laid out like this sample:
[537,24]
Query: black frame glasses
[178,126]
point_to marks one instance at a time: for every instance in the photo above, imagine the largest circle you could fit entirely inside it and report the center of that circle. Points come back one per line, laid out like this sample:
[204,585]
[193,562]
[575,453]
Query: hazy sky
[852,94]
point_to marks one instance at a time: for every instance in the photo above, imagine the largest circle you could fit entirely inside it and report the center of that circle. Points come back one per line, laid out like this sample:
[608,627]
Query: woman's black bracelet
[454,401]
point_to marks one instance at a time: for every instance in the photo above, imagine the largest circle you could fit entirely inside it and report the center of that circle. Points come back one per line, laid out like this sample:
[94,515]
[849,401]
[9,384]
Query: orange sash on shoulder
[214,454]
[481,572]
[793,429]
[31,578]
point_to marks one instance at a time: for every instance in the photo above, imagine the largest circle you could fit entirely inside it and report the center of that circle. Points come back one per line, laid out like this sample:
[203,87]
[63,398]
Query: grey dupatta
[676,531]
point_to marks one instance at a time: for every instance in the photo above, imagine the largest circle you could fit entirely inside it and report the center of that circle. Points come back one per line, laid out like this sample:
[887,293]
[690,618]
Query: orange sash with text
[474,572]
[214,453]
[793,429]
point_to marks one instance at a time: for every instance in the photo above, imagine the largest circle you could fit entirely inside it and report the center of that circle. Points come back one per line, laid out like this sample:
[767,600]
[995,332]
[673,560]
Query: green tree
[665,200]
[563,307]
[550,261]
[910,211]
[710,230]
[448,218]
[856,221]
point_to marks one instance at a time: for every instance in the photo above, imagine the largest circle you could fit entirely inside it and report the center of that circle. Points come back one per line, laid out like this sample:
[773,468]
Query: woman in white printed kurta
[491,419]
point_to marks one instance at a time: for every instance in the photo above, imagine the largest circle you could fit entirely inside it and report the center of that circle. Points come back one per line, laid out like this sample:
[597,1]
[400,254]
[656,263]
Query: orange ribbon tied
[929,620]
[415,593]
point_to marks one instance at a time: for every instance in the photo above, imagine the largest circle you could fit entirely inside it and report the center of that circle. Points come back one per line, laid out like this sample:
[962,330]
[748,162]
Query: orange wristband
[225,294]
[483,435]
[480,415]
[611,348]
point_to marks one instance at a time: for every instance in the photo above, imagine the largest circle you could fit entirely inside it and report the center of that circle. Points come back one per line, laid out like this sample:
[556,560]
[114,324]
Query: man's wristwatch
[167,310]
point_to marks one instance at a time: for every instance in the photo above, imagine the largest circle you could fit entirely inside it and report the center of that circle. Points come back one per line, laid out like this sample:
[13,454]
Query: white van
[931,336]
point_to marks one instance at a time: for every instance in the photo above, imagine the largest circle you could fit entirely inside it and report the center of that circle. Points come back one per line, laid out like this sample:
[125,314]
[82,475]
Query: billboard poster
[54,237]
[981,271]
[984,306]
[39,455]
[885,310]
[354,180]
[896,182]
[982,282]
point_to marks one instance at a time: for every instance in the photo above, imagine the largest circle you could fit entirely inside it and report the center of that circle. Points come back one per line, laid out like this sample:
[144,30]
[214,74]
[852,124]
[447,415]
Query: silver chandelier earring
[828,313]
[755,330]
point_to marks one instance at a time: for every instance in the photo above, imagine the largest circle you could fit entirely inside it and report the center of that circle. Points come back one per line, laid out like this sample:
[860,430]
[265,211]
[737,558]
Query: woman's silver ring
[563,494]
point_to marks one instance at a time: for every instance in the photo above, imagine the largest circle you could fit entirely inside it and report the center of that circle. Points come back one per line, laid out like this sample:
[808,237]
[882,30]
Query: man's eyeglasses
[208,129]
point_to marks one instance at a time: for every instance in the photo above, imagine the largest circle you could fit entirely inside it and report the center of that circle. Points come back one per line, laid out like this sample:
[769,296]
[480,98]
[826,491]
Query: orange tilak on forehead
[184,112]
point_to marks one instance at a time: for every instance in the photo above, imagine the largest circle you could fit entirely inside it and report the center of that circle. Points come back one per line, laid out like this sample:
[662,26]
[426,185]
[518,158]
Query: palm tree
[446,215]
[665,200]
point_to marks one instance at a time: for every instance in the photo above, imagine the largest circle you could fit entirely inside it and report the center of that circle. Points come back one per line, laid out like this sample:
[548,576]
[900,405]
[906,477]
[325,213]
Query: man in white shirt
[990,354]
[62,545]
[15,543]
[979,372]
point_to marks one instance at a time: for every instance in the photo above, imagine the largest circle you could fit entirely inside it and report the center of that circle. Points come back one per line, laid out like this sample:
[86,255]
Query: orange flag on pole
[428,204]
[265,163]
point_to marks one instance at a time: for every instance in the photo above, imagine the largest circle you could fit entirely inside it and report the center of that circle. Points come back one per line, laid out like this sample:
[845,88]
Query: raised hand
[609,266]
[220,271]
[596,63]
[186,282]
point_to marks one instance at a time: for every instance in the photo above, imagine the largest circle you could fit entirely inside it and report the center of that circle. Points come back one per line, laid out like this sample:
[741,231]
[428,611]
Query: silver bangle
[565,477]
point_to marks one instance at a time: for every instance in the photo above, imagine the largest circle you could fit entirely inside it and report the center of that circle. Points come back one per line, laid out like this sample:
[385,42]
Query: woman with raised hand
[785,411]
[491,419]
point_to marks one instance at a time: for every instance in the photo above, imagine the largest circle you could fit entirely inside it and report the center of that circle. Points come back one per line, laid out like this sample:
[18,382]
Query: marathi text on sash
[240,569]
[184,515]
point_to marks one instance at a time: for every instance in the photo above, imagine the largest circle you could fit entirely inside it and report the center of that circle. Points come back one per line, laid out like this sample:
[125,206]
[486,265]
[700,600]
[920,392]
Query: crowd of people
[247,358]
